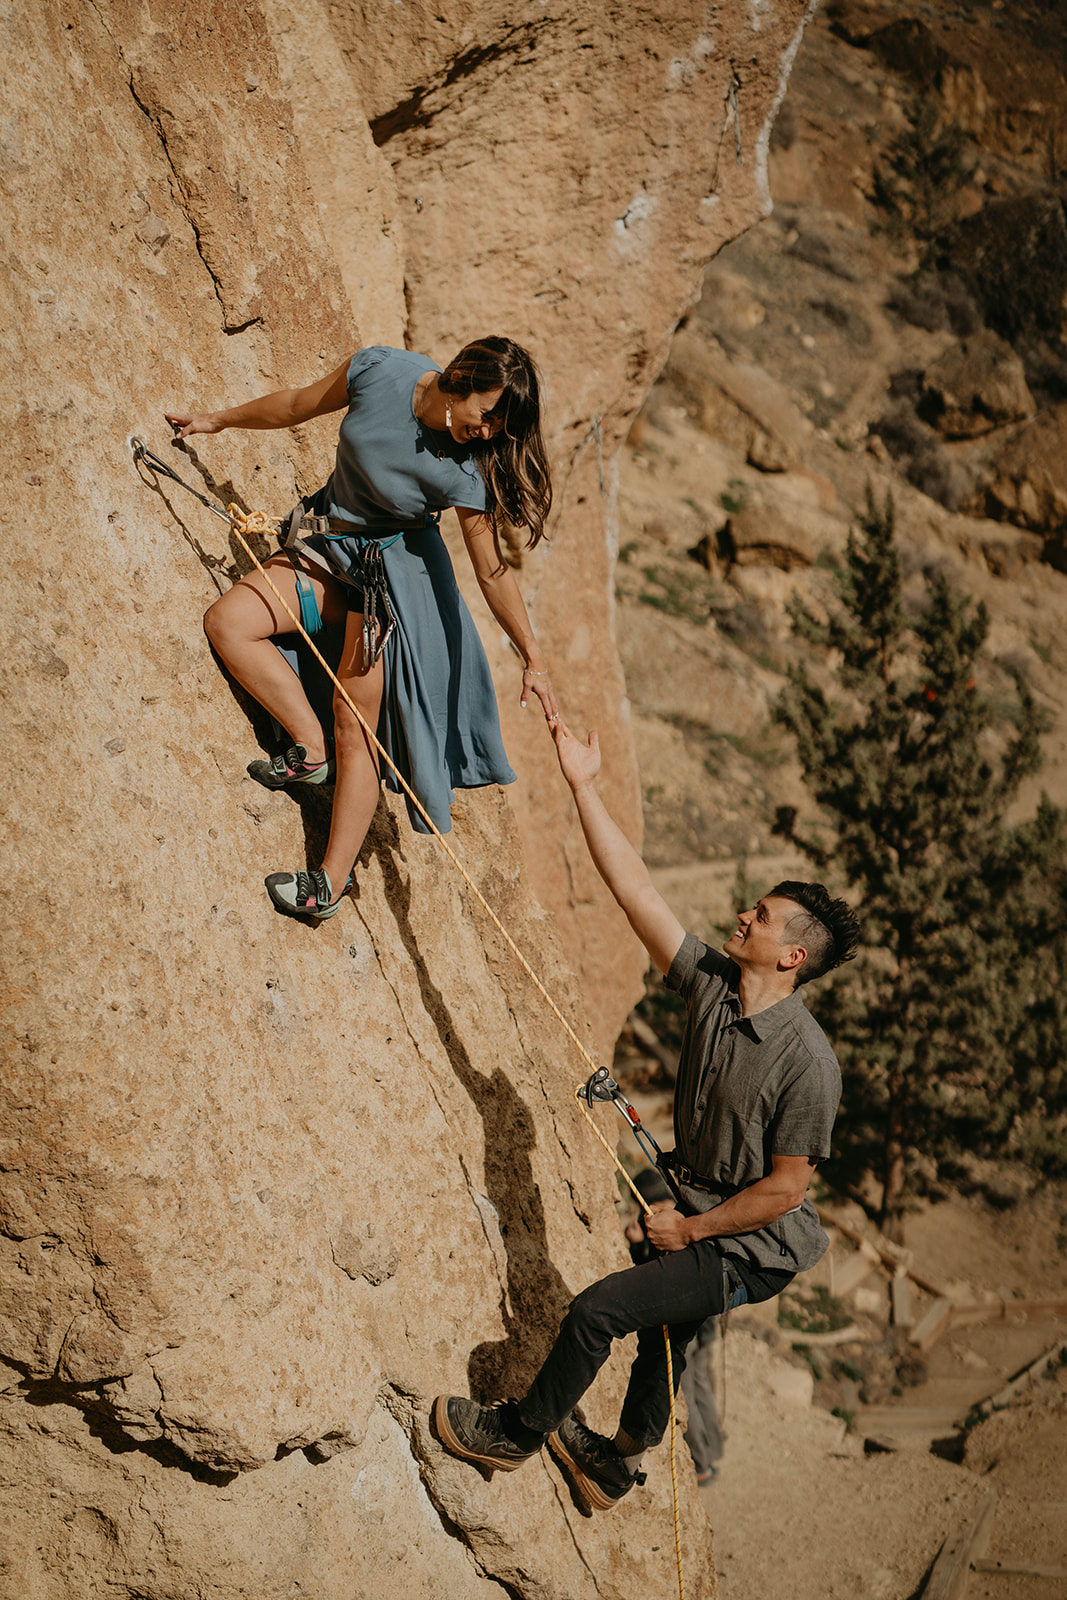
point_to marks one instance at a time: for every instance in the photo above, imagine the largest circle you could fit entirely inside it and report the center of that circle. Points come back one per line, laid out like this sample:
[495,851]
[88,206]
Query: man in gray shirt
[757,1091]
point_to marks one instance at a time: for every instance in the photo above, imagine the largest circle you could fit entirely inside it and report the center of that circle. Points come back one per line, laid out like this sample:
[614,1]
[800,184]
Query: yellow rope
[254,522]
[647,1209]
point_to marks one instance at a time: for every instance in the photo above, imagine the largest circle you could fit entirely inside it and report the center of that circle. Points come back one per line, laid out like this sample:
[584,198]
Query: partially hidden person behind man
[414,440]
[756,1096]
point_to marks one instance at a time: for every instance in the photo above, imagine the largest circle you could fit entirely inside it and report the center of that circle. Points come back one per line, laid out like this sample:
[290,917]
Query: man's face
[759,941]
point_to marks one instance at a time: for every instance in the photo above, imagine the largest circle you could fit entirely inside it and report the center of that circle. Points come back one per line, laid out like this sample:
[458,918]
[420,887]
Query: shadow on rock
[535,1296]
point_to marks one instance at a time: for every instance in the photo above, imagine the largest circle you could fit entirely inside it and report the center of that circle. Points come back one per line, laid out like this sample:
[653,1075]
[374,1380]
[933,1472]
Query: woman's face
[470,419]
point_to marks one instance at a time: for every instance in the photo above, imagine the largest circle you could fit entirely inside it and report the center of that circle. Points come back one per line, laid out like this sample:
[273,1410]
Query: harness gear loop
[373,583]
[255,522]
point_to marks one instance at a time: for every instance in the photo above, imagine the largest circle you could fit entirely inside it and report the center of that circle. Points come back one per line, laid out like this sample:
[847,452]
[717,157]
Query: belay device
[600,1086]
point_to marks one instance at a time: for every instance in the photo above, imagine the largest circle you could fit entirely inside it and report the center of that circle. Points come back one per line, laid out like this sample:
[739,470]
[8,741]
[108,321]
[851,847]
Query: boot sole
[589,1490]
[455,1446]
[306,913]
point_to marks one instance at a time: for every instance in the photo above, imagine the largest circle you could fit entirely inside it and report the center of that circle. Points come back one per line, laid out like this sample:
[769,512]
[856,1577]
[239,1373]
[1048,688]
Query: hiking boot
[476,1433]
[305,894]
[594,1467]
[292,767]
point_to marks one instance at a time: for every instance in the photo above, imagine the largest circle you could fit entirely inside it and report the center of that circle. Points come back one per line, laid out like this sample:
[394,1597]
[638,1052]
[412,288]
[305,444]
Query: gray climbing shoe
[292,767]
[476,1433]
[305,894]
[597,1472]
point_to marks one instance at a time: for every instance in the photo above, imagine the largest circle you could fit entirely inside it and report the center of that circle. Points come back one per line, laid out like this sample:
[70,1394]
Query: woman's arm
[497,583]
[283,409]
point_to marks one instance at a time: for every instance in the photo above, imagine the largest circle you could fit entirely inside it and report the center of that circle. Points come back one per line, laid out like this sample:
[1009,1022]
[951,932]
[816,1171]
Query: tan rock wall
[266,1188]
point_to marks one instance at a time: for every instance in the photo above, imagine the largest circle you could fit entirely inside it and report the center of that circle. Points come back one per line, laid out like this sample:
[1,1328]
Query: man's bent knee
[593,1311]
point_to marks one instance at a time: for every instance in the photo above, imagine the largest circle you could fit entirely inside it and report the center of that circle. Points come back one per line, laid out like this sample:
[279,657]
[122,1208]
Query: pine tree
[951,1029]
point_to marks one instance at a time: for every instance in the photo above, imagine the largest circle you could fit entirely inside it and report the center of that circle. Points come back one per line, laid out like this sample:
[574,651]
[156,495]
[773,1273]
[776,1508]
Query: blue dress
[391,479]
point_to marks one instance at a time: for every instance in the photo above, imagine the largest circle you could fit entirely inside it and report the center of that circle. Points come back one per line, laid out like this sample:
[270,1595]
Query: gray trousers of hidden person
[703,1431]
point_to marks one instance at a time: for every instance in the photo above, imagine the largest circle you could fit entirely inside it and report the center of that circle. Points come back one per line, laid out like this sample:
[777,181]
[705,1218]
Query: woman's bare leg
[358,780]
[241,625]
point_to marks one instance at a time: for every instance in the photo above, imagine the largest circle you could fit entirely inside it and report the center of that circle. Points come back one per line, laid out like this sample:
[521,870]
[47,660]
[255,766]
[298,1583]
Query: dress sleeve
[469,488]
[360,364]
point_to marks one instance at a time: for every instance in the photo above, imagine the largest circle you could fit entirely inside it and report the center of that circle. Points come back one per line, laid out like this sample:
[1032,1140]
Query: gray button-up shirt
[750,1088]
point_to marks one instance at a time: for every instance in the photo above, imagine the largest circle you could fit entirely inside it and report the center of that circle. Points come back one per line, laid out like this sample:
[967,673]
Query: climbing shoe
[305,894]
[292,767]
[476,1433]
[596,1470]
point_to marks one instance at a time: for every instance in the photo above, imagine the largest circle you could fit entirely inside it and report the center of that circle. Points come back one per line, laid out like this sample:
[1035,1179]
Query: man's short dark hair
[827,928]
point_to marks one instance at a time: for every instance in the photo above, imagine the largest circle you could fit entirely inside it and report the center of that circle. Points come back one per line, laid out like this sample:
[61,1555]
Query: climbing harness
[243,523]
[372,580]
[601,1087]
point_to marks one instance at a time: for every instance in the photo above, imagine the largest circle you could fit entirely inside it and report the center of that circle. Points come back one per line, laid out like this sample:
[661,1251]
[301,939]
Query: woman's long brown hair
[513,462]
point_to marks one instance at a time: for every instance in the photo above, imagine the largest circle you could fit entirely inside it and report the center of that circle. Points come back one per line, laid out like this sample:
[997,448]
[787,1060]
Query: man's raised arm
[613,855]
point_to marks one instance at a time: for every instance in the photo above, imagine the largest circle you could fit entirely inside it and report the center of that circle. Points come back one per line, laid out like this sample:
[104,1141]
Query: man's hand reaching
[579,763]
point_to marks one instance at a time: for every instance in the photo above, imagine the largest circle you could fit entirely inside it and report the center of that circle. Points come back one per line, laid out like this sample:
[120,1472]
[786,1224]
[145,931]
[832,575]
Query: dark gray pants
[679,1289]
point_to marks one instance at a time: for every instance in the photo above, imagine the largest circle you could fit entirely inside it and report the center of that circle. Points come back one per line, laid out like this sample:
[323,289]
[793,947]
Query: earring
[448,413]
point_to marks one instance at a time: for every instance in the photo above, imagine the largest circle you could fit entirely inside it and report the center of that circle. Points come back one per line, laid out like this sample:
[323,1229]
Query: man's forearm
[613,855]
[747,1211]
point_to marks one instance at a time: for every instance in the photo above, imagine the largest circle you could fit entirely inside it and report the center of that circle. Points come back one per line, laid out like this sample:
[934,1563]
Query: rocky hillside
[898,322]
[266,1189]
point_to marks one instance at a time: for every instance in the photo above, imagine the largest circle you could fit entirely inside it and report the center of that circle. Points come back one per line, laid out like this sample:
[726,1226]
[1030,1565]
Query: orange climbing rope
[255,522]
[245,523]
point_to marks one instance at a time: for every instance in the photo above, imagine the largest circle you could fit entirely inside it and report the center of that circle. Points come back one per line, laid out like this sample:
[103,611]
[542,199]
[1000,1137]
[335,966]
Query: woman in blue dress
[414,440]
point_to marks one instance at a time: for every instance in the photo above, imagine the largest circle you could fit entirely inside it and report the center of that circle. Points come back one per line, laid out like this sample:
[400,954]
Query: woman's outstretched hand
[578,762]
[540,684]
[184,423]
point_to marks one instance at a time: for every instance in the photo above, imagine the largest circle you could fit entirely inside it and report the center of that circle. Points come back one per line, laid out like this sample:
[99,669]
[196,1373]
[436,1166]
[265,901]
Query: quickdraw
[375,594]
[373,581]
[601,1087]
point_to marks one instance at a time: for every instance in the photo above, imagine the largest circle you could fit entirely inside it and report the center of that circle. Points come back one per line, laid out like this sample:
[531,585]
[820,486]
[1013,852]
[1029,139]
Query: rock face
[976,386]
[1028,483]
[1000,80]
[753,539]
[266,1189]
[1013,256]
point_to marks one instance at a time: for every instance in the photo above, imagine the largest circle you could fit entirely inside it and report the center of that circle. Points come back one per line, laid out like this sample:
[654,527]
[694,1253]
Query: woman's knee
[215,623]
[348,731]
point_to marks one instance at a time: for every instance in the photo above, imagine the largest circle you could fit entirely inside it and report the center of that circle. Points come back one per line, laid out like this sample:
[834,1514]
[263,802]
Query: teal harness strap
[363,539]
[310,616]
